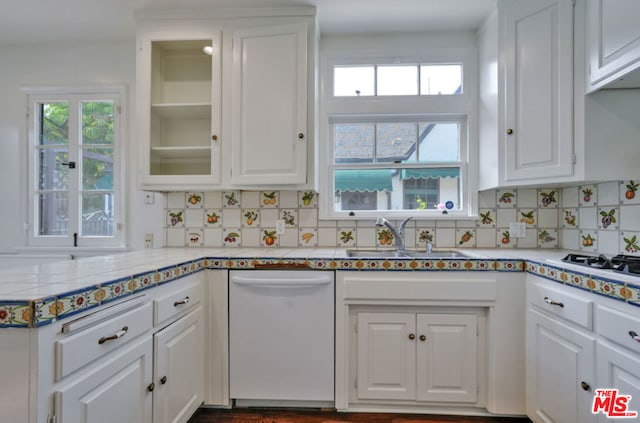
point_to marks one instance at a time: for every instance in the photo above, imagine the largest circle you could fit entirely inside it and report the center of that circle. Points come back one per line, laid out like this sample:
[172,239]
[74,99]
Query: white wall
[64,64]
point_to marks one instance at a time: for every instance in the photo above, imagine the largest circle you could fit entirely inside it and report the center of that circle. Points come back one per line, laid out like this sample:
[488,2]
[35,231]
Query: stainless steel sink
[404,254]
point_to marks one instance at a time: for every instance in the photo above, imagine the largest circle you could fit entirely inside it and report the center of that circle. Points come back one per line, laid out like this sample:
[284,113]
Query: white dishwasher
[281,337]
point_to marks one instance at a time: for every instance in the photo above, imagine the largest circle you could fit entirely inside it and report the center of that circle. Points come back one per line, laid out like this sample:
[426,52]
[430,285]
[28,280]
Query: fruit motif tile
[629,192]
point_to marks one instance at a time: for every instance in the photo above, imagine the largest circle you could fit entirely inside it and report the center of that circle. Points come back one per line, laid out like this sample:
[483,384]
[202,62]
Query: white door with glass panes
[75,171]
[269,105]
[179,110]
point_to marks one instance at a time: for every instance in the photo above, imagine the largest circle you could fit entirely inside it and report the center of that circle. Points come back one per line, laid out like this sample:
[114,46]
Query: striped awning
[433,173]
[363,180]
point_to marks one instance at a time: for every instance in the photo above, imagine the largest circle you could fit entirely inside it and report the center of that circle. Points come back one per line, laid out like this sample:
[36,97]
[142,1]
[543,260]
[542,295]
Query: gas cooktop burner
[621,263]
[599,262]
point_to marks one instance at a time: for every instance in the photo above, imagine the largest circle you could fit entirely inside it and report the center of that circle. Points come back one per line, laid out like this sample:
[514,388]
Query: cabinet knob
[634,336]
[214,137]
[300,135]
[164,380]
[585,386]
[151,387]
[412,336]
[509,131]
[423,338]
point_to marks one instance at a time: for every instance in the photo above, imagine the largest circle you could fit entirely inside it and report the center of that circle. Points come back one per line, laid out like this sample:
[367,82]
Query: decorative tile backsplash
[596,218]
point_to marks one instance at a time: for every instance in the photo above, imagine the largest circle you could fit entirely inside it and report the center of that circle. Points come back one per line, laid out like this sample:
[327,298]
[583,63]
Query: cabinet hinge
[51,418]
[574,159]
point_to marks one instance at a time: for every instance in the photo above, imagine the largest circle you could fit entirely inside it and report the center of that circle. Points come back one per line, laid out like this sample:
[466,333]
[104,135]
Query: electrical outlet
[148,198]
[518,229]
[148,240]
[280,228]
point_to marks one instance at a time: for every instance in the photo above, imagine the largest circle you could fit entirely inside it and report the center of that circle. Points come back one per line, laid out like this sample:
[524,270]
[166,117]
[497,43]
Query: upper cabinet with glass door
[179,110]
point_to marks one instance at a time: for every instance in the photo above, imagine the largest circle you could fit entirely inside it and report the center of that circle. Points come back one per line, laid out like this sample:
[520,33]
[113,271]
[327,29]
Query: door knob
[423,338]
[585,386]
[412,336]
[509,131]
[300,135]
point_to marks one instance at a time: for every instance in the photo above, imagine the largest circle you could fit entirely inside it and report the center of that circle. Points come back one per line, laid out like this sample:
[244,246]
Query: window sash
[110,193]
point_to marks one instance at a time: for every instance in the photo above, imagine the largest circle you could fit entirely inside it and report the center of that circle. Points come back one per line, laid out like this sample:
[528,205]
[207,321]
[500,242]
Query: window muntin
[76,171]
[397,80]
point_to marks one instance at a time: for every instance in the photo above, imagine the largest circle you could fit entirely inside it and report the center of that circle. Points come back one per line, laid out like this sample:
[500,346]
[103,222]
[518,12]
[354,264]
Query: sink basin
[405,254]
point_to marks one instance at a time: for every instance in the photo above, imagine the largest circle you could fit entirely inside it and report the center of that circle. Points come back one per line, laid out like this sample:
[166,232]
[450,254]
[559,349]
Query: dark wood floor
[303,416]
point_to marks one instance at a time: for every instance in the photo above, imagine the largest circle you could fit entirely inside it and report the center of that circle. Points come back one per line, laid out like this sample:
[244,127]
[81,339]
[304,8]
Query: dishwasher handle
[281,282]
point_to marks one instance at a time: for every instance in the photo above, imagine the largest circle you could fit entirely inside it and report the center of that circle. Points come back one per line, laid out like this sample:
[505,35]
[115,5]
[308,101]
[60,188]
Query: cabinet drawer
[619,327]
[570,306]
[187,293]
[92,342]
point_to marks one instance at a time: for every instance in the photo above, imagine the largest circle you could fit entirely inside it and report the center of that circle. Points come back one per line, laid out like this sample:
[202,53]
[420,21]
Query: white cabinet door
[614,39]
[386,356]
[269,105]
[559,361]
[179,369]
[619,369]
[447,357]
[115,390]
[179,108]
[537,99]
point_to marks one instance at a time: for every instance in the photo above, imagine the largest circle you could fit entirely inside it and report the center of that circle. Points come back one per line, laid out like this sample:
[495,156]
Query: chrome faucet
[398,233]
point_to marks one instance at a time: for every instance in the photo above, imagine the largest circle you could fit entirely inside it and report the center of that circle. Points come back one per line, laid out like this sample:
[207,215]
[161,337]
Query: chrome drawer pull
[117,335]
[181,302]
[634,336]
[553,303]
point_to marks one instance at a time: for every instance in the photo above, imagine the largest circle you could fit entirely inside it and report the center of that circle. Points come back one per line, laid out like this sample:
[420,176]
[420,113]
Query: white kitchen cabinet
[114,389]
[526,93]
[239,117]
[269,103]
[103,365]
[613,43]
[178,369]
[433,340]
[420,357]
[179,106]
[386,356]
[535,122]
[560,374]
[537,125]
[178,349]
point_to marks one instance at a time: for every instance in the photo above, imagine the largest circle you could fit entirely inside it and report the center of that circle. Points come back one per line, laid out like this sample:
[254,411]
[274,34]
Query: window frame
[386,108]
[75,96]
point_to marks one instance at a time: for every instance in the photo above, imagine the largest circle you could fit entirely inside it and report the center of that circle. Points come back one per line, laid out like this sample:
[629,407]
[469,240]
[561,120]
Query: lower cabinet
[579,343]
[559,371]
[114,390]
[423,357]
[178,369]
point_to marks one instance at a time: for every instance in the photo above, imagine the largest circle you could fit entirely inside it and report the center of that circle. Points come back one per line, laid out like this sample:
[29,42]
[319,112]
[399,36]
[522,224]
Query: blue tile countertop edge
[130,273]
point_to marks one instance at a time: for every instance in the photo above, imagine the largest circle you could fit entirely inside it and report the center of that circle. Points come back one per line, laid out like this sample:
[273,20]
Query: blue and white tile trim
[39,312]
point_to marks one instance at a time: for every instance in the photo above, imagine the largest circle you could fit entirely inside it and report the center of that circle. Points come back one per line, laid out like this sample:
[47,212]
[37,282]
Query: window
[398,137]
[432,79]
[74,168]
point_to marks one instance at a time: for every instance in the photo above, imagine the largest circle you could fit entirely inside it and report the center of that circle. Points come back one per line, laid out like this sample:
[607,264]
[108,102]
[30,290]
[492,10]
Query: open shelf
[196,152]
[181,110]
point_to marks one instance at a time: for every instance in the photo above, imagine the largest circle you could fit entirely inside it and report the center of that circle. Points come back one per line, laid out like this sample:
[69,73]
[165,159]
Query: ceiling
[33,21]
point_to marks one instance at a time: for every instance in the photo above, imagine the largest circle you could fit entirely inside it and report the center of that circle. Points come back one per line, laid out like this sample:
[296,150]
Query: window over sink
[399,134]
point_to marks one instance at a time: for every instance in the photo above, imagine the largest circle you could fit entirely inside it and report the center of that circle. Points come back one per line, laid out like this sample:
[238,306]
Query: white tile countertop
[34,286]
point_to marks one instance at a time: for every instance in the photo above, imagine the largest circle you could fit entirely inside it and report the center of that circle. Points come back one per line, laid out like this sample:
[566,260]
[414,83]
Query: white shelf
[180,152]
[182,110]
